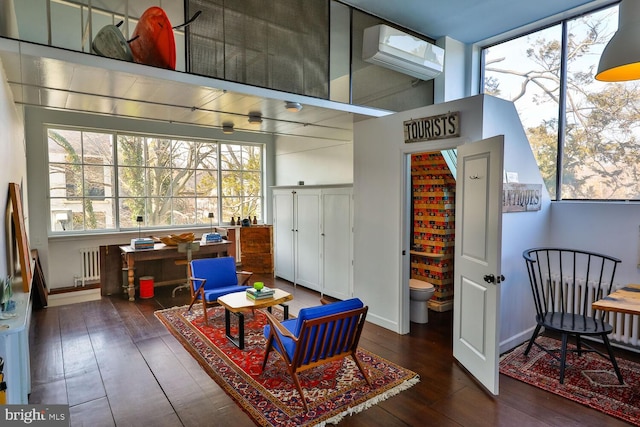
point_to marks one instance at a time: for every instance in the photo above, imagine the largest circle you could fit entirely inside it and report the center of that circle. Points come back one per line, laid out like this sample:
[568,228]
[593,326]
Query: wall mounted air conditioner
[391,48]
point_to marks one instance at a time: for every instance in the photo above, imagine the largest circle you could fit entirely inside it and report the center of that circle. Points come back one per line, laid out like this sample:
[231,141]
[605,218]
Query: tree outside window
[598,125]
[169,182]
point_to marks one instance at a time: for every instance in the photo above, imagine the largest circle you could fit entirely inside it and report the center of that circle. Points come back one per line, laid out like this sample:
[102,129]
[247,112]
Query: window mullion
[562,110]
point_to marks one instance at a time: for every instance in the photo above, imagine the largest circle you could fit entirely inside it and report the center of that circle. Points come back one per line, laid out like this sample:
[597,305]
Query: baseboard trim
[65,298]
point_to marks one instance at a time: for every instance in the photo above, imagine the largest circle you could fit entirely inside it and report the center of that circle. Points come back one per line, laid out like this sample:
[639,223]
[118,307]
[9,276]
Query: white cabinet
[307,238]
[337,242]
[296,222]
[283,231]
[313,245]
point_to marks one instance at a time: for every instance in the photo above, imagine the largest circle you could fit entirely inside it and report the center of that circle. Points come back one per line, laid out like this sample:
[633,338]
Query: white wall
[14,166]
[609,228]
[520,230]
[314,161]
[451,84]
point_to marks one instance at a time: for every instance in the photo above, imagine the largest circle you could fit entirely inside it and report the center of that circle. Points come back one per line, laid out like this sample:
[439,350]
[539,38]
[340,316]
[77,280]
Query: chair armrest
[196,279]
[243,277]
[275,323]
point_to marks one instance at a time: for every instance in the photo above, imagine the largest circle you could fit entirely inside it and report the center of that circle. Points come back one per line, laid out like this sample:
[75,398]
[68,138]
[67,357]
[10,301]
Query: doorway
[432,187]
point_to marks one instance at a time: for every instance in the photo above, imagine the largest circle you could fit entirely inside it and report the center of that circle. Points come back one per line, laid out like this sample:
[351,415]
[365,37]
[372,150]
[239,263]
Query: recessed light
[294,107]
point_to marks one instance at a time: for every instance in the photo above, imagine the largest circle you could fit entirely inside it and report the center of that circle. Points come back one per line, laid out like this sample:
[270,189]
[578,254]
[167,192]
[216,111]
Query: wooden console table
[623,300]
[161,251]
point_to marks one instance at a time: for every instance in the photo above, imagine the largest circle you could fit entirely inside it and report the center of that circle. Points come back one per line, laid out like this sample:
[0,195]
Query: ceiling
[73,81]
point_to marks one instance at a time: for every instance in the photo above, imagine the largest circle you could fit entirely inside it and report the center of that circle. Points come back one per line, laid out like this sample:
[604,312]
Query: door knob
[489,278]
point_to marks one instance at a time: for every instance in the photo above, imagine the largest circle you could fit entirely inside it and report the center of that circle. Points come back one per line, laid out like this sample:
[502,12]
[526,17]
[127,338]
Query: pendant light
[620,60]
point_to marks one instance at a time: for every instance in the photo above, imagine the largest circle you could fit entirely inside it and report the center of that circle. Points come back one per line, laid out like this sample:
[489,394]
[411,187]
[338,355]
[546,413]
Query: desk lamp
[140,242]
[139,220]
[211,237]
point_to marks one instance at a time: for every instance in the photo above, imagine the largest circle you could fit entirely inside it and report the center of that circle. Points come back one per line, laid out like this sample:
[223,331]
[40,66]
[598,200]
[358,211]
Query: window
[549,75]
[81,180]
[103,181]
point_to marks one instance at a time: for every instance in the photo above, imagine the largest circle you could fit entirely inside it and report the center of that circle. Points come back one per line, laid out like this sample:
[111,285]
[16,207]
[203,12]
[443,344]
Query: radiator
[90,265]
[626,327]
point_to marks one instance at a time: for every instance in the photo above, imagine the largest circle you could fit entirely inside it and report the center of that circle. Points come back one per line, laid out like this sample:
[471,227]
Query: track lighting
[255,118]
[227,128]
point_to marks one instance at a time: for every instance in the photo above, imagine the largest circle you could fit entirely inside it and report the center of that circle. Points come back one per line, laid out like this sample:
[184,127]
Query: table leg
[239,341]
[131,276]
[285,308]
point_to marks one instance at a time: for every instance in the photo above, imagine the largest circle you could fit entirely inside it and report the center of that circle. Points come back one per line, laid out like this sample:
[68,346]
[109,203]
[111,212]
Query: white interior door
[337,238]
[283,234]
[307,226]
[478,258]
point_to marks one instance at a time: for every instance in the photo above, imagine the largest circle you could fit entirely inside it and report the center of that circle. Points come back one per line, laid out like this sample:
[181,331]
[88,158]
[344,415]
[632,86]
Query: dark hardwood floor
[114,363]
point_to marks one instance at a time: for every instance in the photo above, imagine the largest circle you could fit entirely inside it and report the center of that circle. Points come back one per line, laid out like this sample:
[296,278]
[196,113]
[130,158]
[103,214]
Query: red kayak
[152,42]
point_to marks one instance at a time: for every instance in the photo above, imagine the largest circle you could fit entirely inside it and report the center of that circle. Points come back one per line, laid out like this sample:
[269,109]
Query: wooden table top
[239,301]
[623,300]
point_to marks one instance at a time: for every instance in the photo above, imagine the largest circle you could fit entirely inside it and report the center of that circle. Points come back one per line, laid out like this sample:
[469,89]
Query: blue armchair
[318,335]
[212,278]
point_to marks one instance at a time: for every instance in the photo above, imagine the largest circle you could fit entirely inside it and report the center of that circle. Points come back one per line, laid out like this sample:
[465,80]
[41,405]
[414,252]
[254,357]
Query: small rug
[589,379]
[333,390]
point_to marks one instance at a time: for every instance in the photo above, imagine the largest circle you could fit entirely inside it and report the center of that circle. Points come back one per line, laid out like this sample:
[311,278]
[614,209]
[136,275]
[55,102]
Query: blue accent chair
[212,278]
[318,335]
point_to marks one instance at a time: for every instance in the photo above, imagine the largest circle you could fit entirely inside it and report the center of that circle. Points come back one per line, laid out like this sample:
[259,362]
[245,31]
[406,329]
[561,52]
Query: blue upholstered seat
[309,313]
[212,278]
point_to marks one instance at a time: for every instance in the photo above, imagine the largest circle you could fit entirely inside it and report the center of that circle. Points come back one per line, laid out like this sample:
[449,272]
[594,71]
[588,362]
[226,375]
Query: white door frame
[405,223]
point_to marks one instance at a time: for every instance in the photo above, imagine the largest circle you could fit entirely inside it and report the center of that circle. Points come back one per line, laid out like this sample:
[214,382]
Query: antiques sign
[430,128]
[521,197]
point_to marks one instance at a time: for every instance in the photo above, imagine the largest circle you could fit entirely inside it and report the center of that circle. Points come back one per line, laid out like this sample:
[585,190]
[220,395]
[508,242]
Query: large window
[594,126]
[104,181]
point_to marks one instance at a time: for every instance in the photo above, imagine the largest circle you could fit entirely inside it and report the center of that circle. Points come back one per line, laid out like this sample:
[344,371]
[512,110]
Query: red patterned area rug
[589,379]
[333,390]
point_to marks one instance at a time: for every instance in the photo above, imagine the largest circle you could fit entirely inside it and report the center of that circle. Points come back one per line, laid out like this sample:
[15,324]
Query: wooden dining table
[622,300]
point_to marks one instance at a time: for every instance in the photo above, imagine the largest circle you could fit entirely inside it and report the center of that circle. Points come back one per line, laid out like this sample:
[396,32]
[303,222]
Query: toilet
[420,292]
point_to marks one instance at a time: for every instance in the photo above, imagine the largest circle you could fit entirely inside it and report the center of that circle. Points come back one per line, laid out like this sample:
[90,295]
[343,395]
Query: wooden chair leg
[204,310]
[579,345]
[563,357]
[533,338]
[267,351]
[364,374]
[299,387]
[607,344]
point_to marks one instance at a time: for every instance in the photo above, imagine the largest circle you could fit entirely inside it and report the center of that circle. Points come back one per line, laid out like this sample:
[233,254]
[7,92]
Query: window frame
[115,171]
[563,23]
